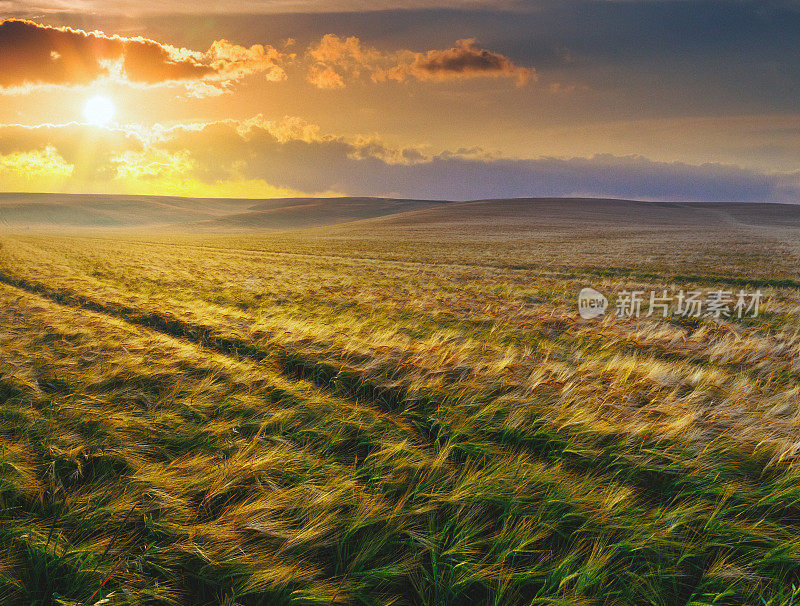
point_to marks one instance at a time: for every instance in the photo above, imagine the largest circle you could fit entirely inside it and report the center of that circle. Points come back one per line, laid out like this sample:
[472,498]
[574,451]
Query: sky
[444,99]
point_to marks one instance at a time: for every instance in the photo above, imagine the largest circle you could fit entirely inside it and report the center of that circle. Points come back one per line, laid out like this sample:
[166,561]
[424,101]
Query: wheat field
[401,410]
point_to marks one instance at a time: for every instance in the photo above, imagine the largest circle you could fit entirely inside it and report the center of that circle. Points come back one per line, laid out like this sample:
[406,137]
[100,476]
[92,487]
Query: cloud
[35,164]
[464,60]
[259,157]
[40,55]
[334,59]
[345,52]
[231,62]
[325,78]
[85,150]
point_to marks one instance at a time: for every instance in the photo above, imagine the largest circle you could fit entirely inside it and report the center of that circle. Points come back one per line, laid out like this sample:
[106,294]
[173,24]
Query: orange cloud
[464,60]
[335,58]
[346,53]
[325,77]
[40,55]
[231,61]
[37,55]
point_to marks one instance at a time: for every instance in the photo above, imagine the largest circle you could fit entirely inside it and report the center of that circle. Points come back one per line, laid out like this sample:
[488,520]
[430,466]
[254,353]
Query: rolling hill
[439,218]
[120,212]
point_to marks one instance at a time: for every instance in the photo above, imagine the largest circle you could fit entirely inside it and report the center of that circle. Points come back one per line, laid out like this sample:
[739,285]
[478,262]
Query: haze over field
[179,213]
[517,217]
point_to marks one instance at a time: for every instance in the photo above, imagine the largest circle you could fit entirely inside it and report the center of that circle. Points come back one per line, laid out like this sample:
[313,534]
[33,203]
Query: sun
[99,110]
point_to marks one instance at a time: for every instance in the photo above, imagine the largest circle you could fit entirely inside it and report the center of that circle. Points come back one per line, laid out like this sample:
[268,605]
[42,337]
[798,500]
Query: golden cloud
[335,58]
[36,55]
[35,170]
[40,55]
[325,78]
[36,164]
[464,60]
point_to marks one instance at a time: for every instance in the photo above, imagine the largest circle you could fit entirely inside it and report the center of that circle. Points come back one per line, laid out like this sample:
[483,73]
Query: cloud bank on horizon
[290,157]
[486,113]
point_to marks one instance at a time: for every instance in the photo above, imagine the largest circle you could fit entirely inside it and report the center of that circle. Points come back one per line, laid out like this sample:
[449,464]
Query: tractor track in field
[552,329]
[655,486]
[289,366]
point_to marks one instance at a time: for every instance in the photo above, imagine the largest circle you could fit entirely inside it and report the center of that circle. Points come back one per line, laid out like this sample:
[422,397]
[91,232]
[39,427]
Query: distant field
[399,409]
[48,212]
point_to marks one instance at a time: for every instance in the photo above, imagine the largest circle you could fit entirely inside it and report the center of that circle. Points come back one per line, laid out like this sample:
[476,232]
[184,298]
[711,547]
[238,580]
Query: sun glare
[99,110]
